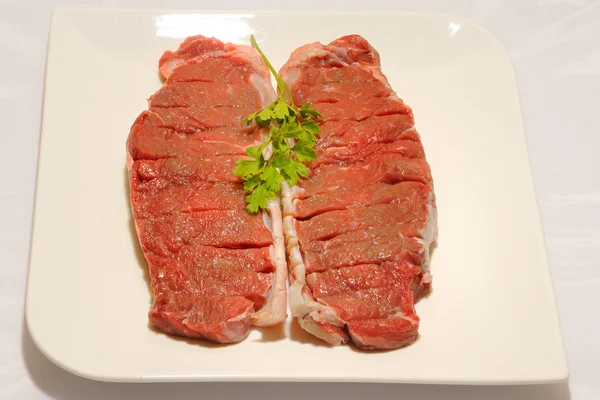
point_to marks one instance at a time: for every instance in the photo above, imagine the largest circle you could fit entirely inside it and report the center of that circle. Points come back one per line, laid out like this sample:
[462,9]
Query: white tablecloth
[555,46]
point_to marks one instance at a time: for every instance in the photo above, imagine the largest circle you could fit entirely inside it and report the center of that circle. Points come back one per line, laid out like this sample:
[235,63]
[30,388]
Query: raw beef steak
[359,230]
[215,269]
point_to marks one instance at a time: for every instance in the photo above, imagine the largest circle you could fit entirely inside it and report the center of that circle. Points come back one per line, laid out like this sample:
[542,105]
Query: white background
[555,47]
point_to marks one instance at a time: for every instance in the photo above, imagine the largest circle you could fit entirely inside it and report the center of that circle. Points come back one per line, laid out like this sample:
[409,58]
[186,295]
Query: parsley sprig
[281,157]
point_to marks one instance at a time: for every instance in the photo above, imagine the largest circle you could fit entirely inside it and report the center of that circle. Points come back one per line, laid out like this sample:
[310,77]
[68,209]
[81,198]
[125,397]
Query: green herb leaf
[281,111]
[293,171]
[288,125]
[306,112]
[246,169]
[292,131]
[257,199]
[251,184]
[311,127]
[253,152]
[272,178]
[303,151]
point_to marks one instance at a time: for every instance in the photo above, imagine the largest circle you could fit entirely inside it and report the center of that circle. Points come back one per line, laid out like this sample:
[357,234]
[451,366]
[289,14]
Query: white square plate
[491,317]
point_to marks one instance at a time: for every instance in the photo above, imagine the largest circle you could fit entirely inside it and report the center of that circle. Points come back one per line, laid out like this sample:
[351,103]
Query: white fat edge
[248,54]
[175,63]
[235,329]
[340,54]
[301,303]
[264,87]
[411,129]
[309,325]
[171,66]
[242,316]
[429,233]
[129,164]
[290,199]
[274,310]
[302,54]
[290,73]
[399,314]
[427,277]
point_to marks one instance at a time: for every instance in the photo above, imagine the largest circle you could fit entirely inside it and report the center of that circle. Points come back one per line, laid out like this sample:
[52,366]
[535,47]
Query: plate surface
[491,317]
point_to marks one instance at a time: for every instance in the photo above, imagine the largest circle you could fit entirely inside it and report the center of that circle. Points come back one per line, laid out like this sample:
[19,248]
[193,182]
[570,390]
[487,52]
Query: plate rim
[60,11]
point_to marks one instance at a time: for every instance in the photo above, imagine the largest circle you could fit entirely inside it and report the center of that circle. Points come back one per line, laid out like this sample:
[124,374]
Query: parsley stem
[282,86]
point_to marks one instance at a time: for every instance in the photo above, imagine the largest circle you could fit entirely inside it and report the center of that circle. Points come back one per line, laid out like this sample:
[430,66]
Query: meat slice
[366,151]
[360,229]
[321,256]
[388,168]
[409,214]
[204,95]
[384,129]
[152,139]
[376,193]
[167,234]
[215,269]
